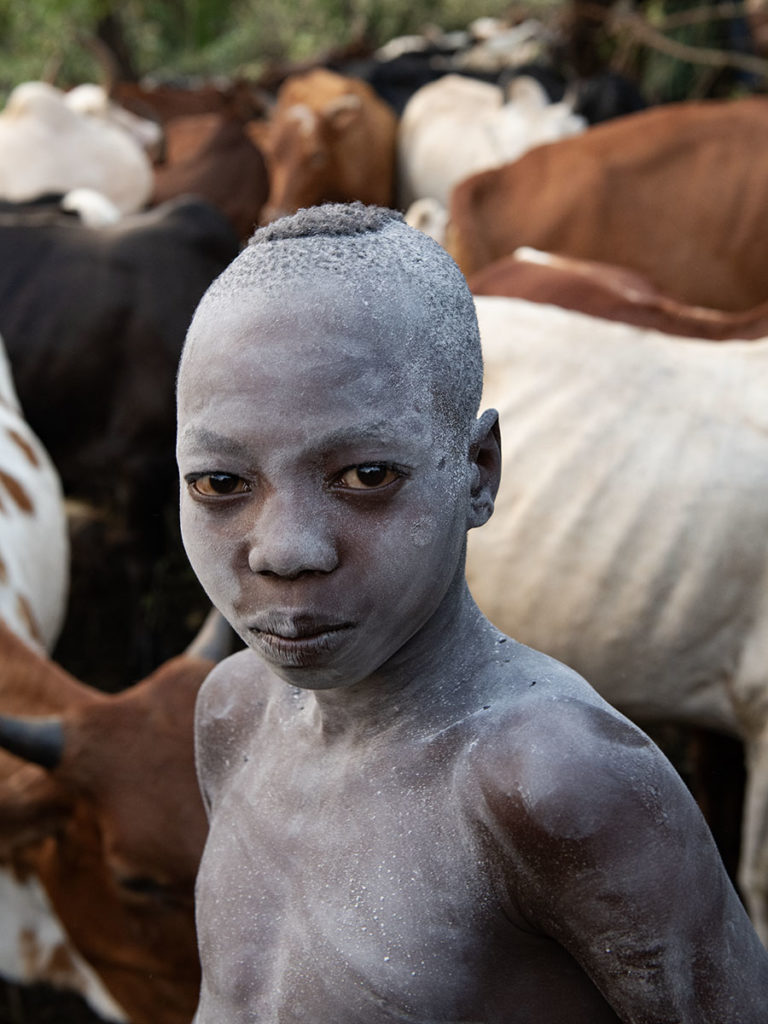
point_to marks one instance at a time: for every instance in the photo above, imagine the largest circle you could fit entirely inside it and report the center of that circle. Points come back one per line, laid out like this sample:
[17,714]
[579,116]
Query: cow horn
[40,740]
[216,639]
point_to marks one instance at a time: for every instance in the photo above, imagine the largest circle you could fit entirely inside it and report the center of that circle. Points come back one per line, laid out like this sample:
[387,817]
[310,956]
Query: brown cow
[611,293]
[185,136]
[330,139]
[105,813]
[228,170]
[677,193]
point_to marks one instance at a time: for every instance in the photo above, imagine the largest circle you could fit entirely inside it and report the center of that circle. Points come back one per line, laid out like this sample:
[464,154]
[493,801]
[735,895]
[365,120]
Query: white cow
[458,126]
[630,538]
[93,100]
[47,146]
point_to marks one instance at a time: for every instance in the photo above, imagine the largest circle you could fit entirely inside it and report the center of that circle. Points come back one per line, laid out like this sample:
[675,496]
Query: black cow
[93,320]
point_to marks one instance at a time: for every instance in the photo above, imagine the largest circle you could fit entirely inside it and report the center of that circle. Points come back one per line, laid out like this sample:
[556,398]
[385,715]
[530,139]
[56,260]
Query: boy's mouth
[296,641]
[295,627]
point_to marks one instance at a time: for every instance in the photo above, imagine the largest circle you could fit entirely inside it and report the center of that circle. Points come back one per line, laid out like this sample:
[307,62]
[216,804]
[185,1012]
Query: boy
[412,817]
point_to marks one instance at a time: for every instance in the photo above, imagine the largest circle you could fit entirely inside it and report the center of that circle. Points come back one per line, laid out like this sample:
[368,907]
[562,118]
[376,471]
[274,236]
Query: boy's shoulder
[529,692]
[550,751]
[596,841]
[231,703]
[235,684]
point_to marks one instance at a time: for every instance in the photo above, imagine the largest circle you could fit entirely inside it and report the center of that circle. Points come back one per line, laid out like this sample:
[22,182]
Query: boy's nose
[289,540]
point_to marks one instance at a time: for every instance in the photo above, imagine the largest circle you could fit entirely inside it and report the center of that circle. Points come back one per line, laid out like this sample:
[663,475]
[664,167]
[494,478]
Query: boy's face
[323,505]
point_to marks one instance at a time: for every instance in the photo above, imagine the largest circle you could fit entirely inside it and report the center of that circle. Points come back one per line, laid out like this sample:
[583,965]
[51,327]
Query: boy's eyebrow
[378,430]
[211,439]
[375,431]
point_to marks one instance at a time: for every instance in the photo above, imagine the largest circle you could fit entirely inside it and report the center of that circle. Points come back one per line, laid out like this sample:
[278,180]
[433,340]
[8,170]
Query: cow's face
[324,504]
[303,154]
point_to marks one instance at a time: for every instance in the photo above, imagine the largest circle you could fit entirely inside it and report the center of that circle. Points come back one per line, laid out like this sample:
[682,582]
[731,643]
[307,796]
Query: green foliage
[667,79]
[49,37]
[39,36]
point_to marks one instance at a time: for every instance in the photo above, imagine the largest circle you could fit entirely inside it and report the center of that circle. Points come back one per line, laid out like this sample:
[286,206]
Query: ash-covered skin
[412,817]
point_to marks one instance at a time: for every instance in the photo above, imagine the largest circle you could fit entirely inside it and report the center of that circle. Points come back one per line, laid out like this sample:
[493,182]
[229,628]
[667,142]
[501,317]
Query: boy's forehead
[341,356]
[294,327]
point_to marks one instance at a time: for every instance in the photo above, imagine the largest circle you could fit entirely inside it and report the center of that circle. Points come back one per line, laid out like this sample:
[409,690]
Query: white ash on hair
[366,255]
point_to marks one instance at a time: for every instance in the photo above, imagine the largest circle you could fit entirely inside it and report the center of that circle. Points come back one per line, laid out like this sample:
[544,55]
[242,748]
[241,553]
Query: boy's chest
[346,880]
[364,891]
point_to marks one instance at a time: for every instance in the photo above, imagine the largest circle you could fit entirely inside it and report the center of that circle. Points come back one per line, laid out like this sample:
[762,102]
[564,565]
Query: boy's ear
[485,456]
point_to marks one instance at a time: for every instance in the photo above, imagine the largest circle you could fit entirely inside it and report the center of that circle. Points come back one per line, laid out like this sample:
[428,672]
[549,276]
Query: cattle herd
[619,270]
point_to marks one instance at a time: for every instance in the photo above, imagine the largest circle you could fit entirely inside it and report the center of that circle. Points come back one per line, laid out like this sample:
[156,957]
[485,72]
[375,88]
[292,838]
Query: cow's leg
[753,869]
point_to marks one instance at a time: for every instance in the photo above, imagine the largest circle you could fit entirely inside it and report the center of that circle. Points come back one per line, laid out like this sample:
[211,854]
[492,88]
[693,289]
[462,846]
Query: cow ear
[33,806]
[303,115]
[342,112]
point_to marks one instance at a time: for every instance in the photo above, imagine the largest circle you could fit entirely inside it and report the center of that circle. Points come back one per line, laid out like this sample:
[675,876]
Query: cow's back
[677,193]
[611,293]
[629,533]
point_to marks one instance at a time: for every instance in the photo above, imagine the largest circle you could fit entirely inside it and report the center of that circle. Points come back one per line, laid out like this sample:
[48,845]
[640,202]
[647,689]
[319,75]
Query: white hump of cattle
[93,100]
[48,146]
[459,126]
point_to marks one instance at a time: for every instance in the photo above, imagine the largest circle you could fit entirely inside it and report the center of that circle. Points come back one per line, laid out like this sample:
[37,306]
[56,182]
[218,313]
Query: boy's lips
[296,641]
[296,626]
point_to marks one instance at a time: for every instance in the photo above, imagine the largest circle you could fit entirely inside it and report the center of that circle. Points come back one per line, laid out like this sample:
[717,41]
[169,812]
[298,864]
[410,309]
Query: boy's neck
[424,685]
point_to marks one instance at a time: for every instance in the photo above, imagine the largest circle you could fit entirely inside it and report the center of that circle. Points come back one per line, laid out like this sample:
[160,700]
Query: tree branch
[623,22]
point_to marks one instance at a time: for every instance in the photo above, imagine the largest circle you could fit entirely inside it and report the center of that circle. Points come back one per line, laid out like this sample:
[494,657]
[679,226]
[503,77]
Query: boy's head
[330,457]
[365,261]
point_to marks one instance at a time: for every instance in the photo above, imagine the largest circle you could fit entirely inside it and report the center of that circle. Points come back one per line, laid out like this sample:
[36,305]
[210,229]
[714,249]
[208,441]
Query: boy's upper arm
[608,854]
[227,711]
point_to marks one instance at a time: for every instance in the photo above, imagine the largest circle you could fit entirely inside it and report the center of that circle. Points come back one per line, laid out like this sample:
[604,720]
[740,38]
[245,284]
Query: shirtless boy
[413,818]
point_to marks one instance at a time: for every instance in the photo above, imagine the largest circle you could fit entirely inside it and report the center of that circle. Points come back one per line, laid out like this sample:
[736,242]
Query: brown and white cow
[34,578]
[34,547]
[330,139]
[677,193]
[101,831]
[611,293]
[629,537]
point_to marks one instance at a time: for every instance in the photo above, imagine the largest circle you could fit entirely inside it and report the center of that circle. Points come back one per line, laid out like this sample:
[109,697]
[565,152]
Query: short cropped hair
[368,249]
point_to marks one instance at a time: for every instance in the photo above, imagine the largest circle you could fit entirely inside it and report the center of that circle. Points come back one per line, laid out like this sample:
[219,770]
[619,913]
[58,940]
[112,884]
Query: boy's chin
[307,667]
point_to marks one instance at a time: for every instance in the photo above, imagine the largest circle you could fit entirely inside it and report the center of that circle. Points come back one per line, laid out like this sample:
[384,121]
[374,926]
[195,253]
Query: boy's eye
[366,477]
[212,485]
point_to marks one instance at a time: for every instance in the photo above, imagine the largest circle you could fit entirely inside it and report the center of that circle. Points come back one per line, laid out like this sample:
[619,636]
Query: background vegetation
[54,38]
[676,48]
